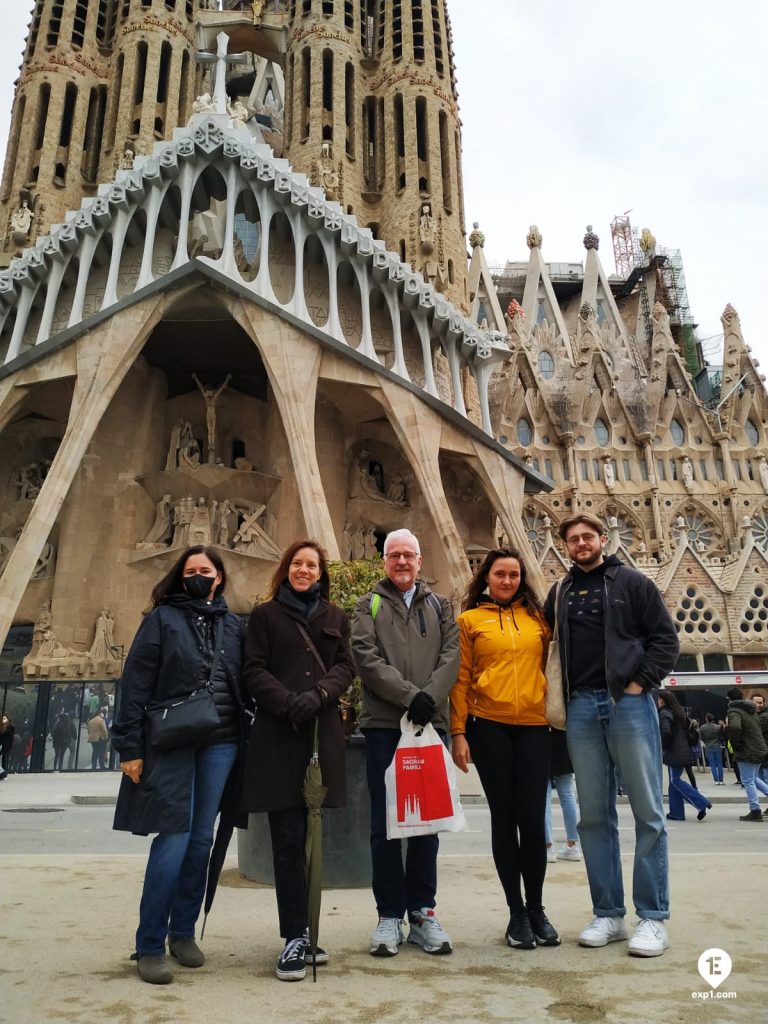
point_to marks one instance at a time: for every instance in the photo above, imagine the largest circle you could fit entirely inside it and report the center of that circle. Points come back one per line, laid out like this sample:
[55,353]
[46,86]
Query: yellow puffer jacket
[501,674]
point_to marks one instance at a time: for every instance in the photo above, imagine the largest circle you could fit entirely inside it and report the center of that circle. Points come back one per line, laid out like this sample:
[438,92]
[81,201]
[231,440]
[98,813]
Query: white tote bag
[422,791]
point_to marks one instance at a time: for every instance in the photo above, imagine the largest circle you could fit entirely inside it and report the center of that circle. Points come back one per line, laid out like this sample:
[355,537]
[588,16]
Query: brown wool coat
[278,662]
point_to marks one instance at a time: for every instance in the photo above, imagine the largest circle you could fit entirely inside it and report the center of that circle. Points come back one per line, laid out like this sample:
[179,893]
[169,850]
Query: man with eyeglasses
[617,643]
[406,648]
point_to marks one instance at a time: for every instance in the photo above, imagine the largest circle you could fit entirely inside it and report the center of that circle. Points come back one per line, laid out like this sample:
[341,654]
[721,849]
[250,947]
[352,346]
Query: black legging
[513,764]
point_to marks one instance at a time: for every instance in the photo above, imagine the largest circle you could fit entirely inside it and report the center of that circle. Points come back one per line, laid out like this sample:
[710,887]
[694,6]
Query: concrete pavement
[68,925]
[87,787]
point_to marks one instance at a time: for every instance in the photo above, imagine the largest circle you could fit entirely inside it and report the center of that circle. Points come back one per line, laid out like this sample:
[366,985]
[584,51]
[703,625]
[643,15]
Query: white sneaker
[650,938]
[551,855]
[602,930]
[387,937]
[567,852]
[427,932]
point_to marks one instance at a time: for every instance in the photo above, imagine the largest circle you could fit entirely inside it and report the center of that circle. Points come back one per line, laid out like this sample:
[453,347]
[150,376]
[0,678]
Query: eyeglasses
[395,556]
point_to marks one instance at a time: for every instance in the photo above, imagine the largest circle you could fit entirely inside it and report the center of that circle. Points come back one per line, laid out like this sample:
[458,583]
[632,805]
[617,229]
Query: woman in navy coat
[178,793]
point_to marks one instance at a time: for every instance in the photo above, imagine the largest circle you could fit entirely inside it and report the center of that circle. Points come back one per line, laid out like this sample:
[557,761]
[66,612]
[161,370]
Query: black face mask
[198,586]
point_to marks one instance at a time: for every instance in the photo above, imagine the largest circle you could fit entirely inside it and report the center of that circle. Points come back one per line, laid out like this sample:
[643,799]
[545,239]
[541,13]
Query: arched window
[546,365]
[751,431]
[602,434]
[524,431]
[678,433]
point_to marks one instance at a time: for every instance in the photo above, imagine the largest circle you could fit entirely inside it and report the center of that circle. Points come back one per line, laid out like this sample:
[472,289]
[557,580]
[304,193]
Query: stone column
[104,356]
[292,362]
[418,430]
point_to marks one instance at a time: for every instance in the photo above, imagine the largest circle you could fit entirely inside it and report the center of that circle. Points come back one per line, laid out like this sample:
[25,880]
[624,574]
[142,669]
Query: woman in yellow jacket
[498,723]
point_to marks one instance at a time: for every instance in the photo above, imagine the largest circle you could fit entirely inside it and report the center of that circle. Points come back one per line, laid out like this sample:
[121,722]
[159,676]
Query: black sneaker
[542,929]
[292,965]
[519,932]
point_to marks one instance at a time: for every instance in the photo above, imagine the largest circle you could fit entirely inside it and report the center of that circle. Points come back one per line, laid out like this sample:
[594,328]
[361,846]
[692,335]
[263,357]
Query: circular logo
[714,966]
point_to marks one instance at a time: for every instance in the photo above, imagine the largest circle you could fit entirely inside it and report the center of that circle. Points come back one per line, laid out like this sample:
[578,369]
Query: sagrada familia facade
[237,305]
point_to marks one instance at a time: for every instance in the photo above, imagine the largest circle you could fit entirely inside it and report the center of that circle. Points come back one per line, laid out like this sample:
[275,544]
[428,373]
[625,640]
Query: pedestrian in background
[562,780]
[712,737]
[98,737]
[7,736]
[749,749]
[678,755]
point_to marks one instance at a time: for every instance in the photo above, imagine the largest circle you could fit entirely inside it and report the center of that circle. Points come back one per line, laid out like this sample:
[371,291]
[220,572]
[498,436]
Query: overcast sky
[577,110]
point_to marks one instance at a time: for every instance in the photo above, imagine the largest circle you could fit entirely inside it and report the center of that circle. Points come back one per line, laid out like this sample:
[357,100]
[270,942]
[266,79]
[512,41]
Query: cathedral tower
[373,117]
[96,78]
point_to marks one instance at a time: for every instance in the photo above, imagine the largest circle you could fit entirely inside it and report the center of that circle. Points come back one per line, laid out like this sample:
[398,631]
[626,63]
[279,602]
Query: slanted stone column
[292,362]
[104,357]
[418,430]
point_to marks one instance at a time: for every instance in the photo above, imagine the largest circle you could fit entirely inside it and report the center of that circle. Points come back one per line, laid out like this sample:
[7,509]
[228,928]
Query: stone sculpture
[763,471]
[182,517]
[161,531]
[211,397]
[688,477]
[104,638]
[21,222]
[325,175]
[199,531]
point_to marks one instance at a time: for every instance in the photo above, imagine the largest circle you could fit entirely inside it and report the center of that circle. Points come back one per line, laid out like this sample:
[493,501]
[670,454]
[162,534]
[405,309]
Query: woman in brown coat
[291,689]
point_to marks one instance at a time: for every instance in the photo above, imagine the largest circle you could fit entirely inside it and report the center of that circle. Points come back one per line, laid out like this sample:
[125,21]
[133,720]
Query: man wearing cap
[617,643]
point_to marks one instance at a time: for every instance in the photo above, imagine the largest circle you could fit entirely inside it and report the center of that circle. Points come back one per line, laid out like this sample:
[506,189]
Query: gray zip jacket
[403,651]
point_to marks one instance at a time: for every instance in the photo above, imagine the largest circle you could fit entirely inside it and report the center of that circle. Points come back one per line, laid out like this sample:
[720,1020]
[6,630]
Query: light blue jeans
[715,762]
[603,734]
[751,782]
[174,882]
[566,792]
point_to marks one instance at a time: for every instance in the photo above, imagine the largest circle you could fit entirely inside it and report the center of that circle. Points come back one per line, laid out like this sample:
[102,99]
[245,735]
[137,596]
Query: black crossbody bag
[186,721]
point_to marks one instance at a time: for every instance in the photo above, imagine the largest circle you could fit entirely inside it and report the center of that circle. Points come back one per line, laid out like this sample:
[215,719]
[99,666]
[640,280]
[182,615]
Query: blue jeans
[396,889]
[174,882]
[567,794]
[715,762]
[681,791]
[752,783]
[603,734]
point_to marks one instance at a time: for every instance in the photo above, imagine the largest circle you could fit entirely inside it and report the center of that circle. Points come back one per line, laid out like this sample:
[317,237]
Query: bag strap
[310,644]
[556,631]
[216,652]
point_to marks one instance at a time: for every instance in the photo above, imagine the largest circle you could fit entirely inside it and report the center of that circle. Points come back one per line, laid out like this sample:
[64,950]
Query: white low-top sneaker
[427,932]
[567,852]
[387,937]
[551,855]
[602,930]
[650,938]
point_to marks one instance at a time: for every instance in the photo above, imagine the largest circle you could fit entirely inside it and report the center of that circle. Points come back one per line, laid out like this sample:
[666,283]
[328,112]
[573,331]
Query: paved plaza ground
[68,922]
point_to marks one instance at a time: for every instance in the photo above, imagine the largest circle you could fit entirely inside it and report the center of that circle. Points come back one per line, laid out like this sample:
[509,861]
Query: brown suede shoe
[155,969]
[187,952]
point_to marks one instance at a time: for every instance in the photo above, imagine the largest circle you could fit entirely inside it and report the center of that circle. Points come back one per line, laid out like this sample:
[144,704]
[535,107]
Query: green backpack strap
[432,599]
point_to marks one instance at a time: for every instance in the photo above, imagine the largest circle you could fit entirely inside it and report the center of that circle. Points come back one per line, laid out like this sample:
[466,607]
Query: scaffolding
[633,263]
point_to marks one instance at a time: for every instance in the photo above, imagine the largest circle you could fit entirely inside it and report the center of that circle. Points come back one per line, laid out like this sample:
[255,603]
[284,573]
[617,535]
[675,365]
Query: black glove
[304,707]
[422,708]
